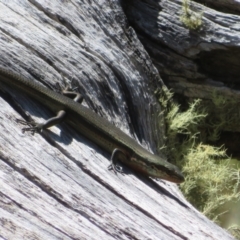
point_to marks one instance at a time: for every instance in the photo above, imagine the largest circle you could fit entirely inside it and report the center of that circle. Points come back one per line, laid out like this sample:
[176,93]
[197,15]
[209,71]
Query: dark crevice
[231,141]
[222,65]
[131,109]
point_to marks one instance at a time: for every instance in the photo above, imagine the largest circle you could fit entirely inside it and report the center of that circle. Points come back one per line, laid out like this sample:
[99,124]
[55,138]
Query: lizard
[121,146]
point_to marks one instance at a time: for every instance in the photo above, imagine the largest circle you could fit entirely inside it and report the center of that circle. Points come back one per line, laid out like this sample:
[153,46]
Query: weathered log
[56,185]
[191,62]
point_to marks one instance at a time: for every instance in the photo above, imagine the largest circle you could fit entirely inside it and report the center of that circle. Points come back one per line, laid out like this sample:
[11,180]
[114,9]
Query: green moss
[190,19]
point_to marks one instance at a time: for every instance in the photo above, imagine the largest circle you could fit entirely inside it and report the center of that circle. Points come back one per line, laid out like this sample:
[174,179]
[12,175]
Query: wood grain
[56,185]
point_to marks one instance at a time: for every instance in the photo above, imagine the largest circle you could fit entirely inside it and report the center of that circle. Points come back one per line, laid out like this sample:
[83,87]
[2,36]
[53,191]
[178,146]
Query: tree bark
[56,185]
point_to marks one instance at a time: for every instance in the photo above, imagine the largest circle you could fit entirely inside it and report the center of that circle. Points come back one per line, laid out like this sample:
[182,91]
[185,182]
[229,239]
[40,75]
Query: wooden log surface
[56,185]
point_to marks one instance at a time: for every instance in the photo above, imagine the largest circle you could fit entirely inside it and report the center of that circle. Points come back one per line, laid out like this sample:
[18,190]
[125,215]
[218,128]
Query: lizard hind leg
[114,161]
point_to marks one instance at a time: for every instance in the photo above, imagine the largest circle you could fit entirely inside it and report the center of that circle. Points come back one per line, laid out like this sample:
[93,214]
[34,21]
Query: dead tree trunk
[56,185]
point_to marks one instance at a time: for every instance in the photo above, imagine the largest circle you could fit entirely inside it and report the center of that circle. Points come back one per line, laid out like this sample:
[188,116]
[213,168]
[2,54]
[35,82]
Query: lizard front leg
[38,127]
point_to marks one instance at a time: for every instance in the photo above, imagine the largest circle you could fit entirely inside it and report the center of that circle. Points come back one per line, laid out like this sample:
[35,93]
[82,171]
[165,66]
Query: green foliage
[210,179]
[191,20]
[183,125]
[184,122]
[235,231]
[165,97]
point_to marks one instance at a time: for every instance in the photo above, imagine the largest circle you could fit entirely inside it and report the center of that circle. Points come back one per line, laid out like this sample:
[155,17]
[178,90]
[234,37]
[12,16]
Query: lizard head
[156,167]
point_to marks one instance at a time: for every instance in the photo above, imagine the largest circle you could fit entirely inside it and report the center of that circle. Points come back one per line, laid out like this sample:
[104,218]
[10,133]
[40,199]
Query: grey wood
[56,185]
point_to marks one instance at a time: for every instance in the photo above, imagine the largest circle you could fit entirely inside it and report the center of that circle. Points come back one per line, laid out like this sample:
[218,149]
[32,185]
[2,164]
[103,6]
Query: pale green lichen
[211,177]
[235,231]
[211,180]
[189,18]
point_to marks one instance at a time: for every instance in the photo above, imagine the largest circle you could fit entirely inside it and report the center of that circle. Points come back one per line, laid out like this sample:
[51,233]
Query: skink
[121,147]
